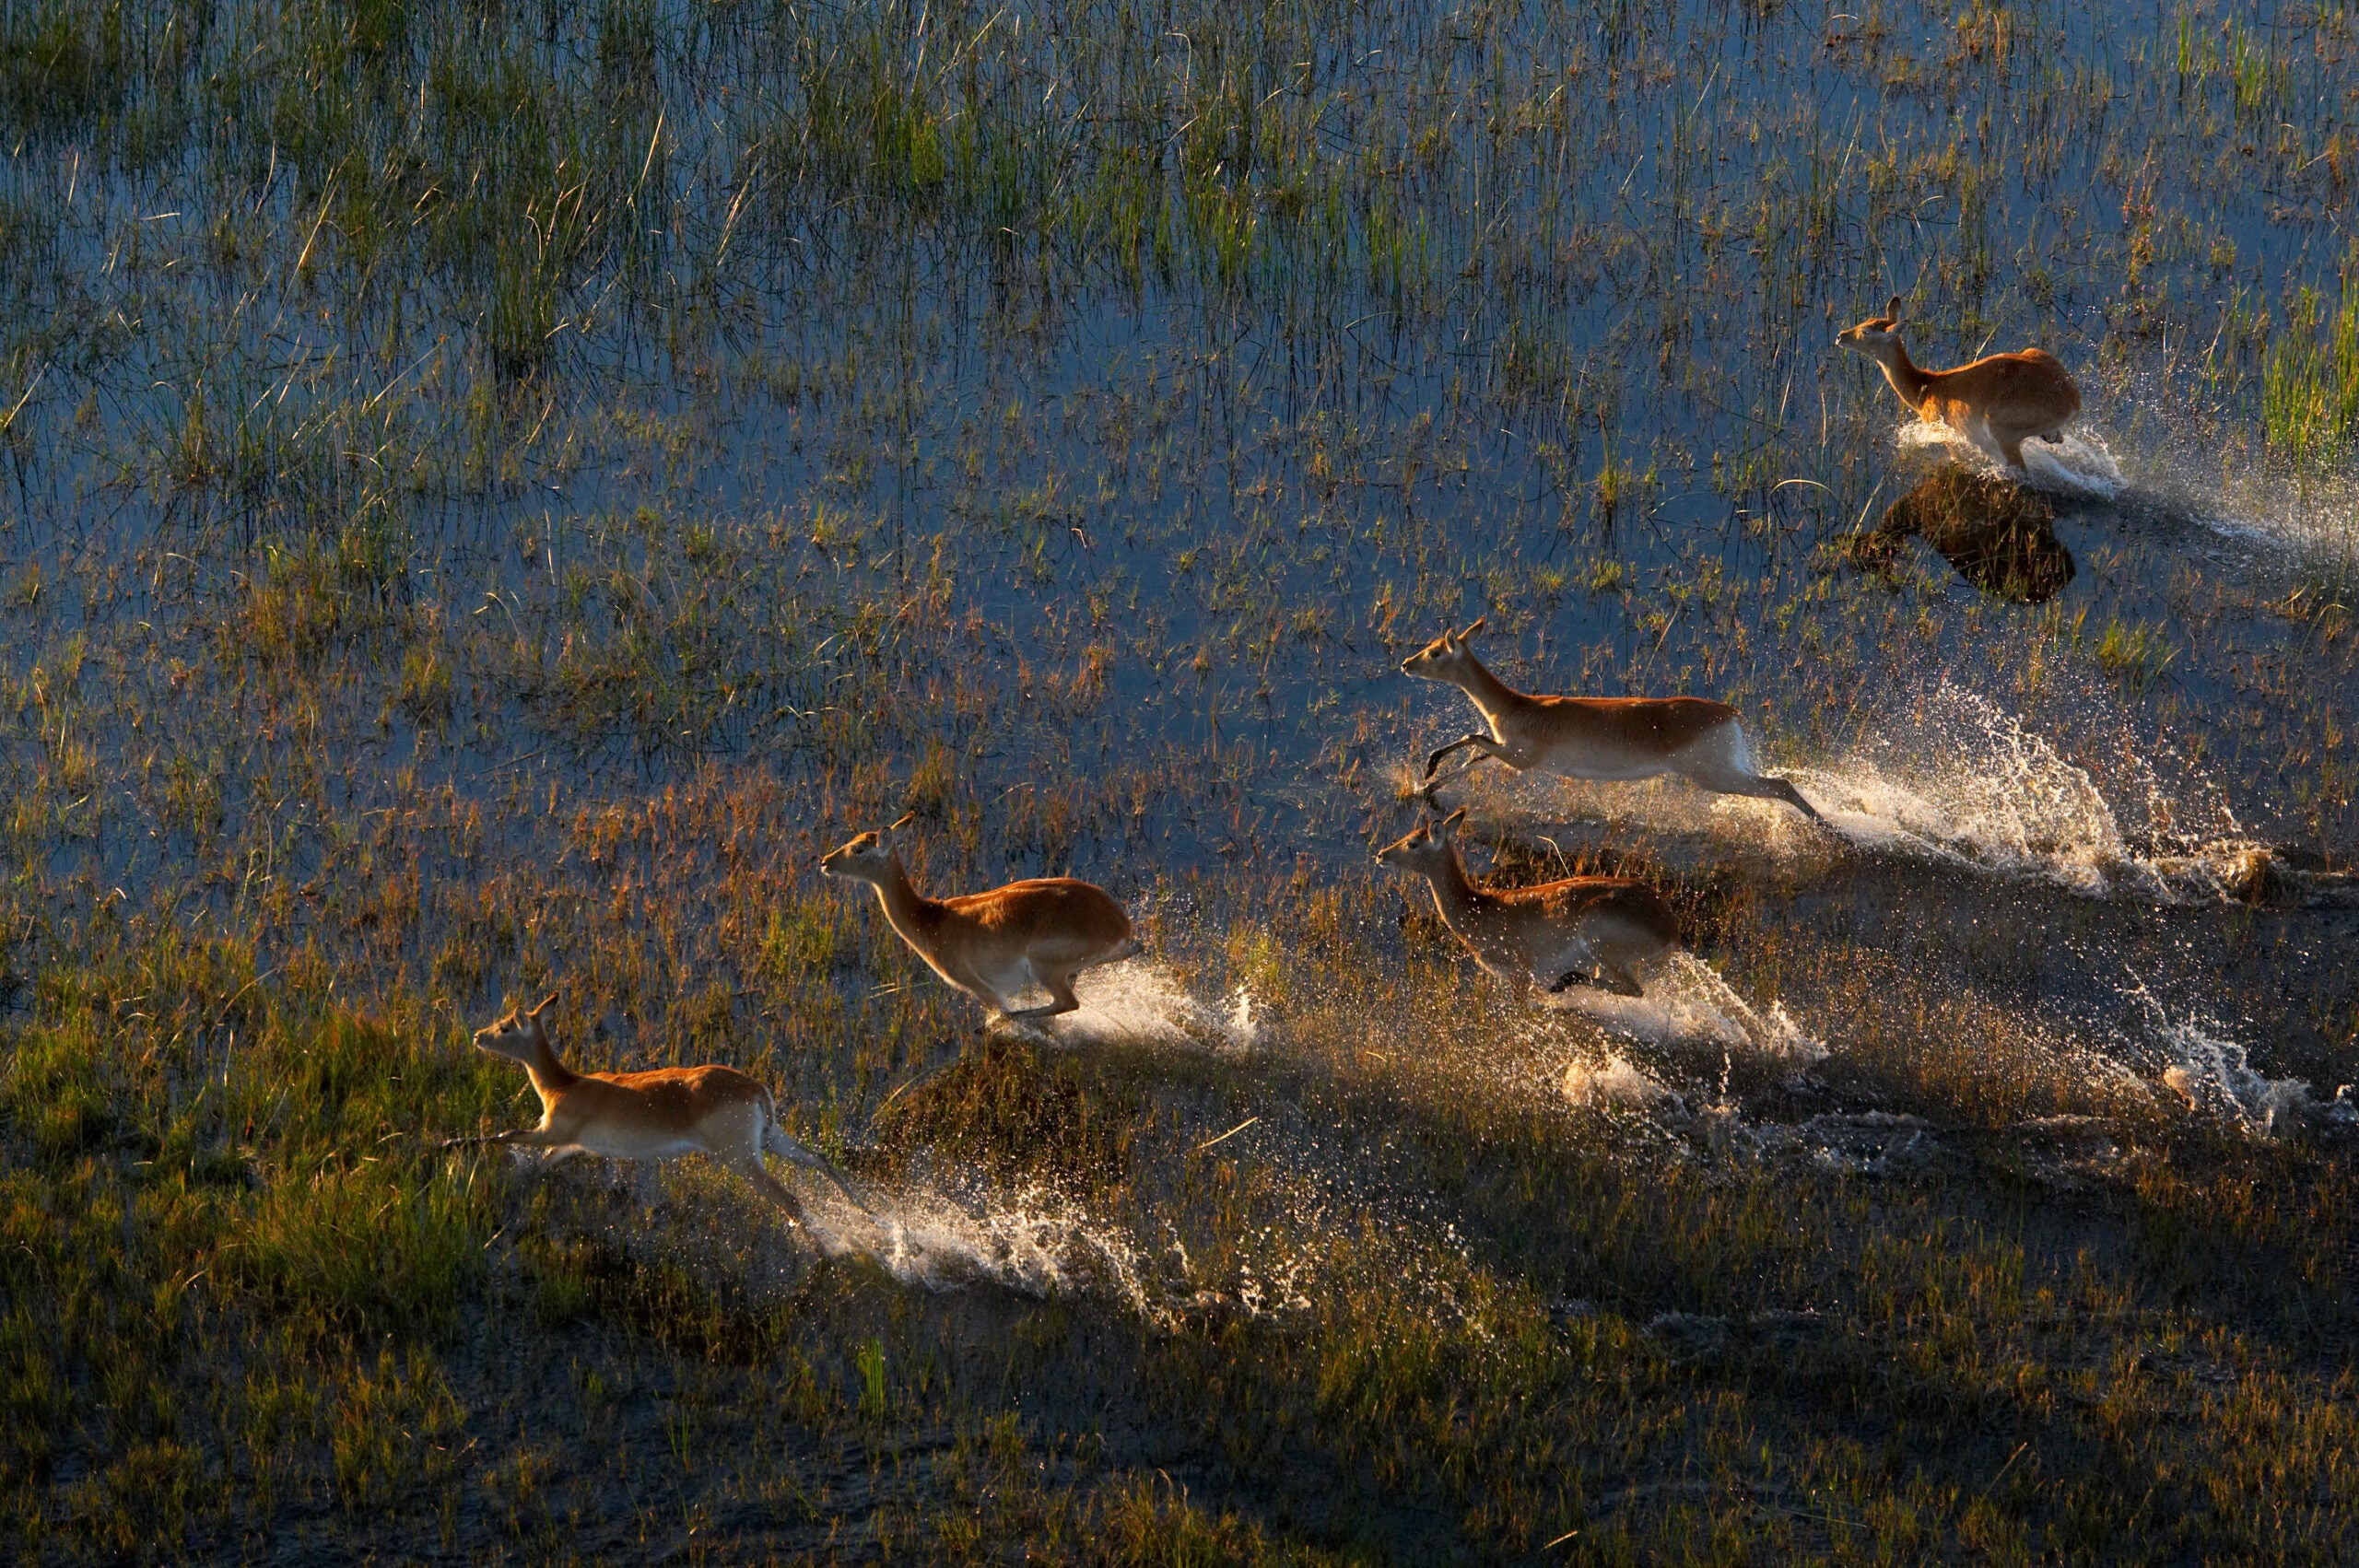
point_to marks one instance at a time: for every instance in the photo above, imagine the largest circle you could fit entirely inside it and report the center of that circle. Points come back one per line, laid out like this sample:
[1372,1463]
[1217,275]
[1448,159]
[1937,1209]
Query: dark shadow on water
[1999,536]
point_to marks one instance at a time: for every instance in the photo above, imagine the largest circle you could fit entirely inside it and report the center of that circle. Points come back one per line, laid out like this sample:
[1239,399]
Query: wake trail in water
[1968,785]
[1687,1003]
[1032,1240]
[1958,781]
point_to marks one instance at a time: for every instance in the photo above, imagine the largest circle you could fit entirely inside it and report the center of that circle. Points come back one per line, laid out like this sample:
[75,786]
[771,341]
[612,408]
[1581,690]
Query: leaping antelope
[657,1114]
[1560,933]
[1596,737]
[1995,401]
[993,945]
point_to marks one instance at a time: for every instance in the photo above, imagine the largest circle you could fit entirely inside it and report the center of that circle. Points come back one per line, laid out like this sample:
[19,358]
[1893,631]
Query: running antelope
[1561,933]
[658,1114]
[993,945]
[1994,403]
[1597,737]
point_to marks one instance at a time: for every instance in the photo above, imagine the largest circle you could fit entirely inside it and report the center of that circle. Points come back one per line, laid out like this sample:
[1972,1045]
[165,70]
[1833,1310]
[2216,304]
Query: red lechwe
[1597,737]
[1559,934]
[994,946]
[1995,402]
[657,1114]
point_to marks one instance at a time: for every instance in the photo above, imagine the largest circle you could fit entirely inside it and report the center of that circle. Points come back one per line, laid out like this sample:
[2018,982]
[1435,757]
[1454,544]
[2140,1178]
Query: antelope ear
[1449,823]
[1892,315]
[546,1003]
[1473,626]
[900,823]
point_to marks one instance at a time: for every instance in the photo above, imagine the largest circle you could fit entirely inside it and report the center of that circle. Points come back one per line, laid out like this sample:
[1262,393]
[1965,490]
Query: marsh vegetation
[492,491]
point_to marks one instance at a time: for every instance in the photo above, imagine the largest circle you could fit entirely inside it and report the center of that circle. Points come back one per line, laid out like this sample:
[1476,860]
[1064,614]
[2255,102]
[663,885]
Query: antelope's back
[1585,898]
[2028,378]
[1648,726]
[686,1092]
[1048,908]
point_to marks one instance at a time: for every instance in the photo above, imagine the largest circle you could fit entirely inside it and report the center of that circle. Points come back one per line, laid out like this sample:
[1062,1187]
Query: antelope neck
[1453,894]
[1493,695]
[1902,373]
[905,907]
[550,1075]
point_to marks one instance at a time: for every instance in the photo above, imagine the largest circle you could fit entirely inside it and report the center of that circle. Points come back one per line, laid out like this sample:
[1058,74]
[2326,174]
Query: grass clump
[2310,388]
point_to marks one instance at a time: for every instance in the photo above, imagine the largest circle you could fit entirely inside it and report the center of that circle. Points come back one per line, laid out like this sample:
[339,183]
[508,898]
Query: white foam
[1686,1002]
[1615,1082]
[1138,1001]
[1036,1242]
[1032,1242]
[2215,1076]
[2080,464]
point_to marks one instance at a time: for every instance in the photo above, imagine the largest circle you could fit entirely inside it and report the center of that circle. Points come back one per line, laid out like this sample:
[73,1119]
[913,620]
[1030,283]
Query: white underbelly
[1012,979]
[625,1145]
[1571,957]
[1607,768]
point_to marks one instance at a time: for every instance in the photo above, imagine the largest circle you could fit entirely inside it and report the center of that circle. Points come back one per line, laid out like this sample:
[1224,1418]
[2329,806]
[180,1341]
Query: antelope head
[1427,850]
[1444,658]
[518,1035]
[869,858]
[1878,336]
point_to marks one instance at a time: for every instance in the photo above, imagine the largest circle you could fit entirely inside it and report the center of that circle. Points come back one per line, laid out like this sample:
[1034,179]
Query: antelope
[1994,403]
[993,945]
[1561,932]
[1596,737]
[657,1114]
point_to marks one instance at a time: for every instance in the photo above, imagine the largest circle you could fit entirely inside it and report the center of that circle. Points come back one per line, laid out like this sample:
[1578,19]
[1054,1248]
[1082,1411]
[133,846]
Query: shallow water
[830,494]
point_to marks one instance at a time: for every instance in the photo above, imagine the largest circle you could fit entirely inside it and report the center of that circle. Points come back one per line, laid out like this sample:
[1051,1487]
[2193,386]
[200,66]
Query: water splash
[1032,1240]
[2215,1076]
[1687,1003]
[1614,1082]
[1955,778]
[2242,495]
[1965,784]
[1138,1001]
[1036,1242]
[2081,464]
